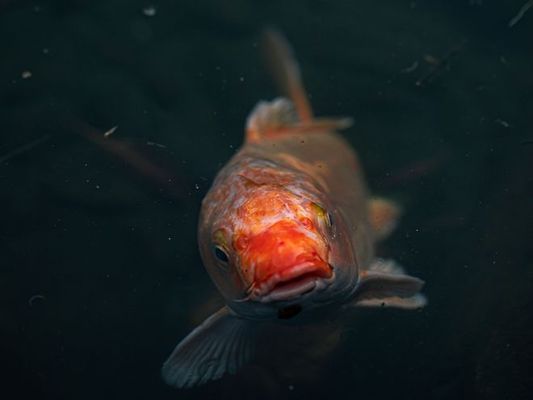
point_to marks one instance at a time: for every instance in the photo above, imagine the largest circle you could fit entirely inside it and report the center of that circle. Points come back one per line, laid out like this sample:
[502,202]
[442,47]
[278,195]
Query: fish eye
[329,219]
[323,215]
[221,254]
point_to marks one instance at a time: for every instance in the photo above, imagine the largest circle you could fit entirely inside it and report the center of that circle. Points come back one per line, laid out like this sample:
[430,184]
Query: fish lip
[291,284]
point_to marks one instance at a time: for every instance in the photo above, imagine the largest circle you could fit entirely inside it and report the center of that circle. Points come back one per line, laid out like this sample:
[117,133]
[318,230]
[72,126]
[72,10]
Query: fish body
[287,229]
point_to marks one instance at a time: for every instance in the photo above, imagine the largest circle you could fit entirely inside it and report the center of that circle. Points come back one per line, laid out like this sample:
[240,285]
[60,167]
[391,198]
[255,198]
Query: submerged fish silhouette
[286,230]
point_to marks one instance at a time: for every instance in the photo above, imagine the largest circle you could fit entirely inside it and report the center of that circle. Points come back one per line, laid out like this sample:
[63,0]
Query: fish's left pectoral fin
[221,344]
[385,284]
[383,215]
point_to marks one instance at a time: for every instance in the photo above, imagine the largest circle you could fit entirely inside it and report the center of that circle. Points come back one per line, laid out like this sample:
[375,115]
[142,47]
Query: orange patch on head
[279,248]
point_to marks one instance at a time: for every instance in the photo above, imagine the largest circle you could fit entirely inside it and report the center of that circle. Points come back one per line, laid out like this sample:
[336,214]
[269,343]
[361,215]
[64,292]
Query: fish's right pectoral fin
[383,216]
[221,344]
[386,284]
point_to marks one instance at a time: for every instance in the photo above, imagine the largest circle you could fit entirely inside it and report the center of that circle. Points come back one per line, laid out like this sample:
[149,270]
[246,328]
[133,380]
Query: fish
[287,232]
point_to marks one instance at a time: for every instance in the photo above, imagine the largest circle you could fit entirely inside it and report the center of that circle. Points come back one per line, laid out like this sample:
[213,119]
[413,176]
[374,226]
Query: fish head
[276,247]
[282,254]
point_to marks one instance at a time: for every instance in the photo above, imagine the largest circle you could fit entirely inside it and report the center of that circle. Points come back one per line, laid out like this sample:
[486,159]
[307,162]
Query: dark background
[99,270]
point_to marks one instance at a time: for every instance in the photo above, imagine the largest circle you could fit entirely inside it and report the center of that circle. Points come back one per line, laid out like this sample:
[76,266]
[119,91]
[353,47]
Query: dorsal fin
[286,72]
[278,117]
[269,117]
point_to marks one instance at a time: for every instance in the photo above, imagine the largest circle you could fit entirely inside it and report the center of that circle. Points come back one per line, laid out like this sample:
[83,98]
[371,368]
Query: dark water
[99,270]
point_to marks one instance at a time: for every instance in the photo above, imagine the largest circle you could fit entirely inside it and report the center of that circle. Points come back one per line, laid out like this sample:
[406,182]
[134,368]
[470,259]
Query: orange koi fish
[287,230]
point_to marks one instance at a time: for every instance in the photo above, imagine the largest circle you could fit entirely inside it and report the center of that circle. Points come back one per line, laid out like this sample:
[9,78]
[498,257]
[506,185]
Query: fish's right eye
[221,254]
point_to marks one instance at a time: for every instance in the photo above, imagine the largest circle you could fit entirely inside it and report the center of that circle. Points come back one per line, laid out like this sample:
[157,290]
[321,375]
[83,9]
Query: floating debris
[438,65]
[410,68]
[35,297]
[24,148]
[110,132]
[162,146]
[503,123]
[26,74]
[431,59]
[136,159]
[520,14]
[149,11]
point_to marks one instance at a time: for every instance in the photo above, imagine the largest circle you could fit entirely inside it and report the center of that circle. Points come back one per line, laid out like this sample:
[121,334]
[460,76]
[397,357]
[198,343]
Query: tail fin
[286,72]
[282,116]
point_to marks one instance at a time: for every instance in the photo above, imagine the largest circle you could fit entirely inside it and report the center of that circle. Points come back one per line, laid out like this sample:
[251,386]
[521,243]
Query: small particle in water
[410,68]
[46,50]
[291,387]
[197,186]
[520,14]
[241,78]
[503,123]
[23,149]
[32,299]
[149,11]
[149,143]
[97,187]
[110,131]
[26,74]
[169,238]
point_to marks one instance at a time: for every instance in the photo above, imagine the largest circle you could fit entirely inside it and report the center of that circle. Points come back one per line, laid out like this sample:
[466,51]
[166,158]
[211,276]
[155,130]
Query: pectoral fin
[383,216]
[385,284]
[221,344]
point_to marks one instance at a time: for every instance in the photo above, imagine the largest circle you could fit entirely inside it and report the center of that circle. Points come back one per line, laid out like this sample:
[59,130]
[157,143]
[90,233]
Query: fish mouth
[293,283]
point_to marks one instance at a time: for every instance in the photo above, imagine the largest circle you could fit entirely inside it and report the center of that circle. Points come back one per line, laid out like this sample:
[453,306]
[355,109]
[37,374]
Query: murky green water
[99,270]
